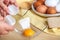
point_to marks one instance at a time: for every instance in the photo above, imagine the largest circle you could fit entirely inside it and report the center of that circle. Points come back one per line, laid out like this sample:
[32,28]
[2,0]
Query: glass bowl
[35,29]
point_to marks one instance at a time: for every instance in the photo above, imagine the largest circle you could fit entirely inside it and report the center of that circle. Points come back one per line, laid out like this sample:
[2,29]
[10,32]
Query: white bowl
[45,15]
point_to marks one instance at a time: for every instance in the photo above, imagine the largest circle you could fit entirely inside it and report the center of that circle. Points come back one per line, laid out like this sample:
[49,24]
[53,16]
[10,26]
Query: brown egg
[38,3]
[41,8]
[51,10]
[41,0]
[25,5]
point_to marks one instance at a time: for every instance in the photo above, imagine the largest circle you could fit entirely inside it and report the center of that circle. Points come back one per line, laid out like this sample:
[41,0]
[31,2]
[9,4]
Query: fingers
[13,2]
[5,28]
[1,18]
[2,12]
[1,29]
[16,5]
[4,33]
[6,2]
[9,28]
[4,7]
[1,0]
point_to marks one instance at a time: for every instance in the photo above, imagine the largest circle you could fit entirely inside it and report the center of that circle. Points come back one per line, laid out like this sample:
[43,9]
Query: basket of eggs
[46,8]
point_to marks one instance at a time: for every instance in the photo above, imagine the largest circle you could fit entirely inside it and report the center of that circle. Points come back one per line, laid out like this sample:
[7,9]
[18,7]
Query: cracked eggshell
[58,8]
[25,23]
[51,3]
[13,10]
[10,20]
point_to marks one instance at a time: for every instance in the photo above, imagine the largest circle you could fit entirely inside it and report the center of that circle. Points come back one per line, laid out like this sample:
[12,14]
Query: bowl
[35,29]
[44,15]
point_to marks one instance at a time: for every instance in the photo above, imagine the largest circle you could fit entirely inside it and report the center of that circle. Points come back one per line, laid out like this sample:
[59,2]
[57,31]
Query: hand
[4,27]
[4,4]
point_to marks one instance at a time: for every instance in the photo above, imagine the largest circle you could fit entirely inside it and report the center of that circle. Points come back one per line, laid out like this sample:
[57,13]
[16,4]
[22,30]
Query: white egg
[13,10]
[10,20]
[51,3]
[58,8]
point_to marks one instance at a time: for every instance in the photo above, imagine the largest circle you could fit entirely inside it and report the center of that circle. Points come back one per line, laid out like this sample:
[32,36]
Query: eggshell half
[10,20]
[13,10]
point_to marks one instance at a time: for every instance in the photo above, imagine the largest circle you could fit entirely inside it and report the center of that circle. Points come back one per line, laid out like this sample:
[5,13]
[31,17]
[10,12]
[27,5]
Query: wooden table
[37,22]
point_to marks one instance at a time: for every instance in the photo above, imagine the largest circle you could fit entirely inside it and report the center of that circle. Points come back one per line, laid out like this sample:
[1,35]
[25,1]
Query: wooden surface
[36,21]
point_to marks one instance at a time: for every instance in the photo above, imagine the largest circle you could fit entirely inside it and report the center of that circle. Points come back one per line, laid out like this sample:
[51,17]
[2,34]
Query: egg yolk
[28,32]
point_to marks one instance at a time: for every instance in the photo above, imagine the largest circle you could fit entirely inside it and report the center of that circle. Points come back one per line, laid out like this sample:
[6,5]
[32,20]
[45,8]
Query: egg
[58,8]
[51,10]
[41,0]
[41,8]
[25,5]
[38,3]
[51,3]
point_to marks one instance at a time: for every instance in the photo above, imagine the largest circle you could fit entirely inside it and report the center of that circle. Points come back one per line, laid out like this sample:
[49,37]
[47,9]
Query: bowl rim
[44,15]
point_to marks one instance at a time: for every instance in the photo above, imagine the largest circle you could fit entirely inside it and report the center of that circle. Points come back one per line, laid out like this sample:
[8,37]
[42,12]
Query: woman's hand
[4,27]
[4,6]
